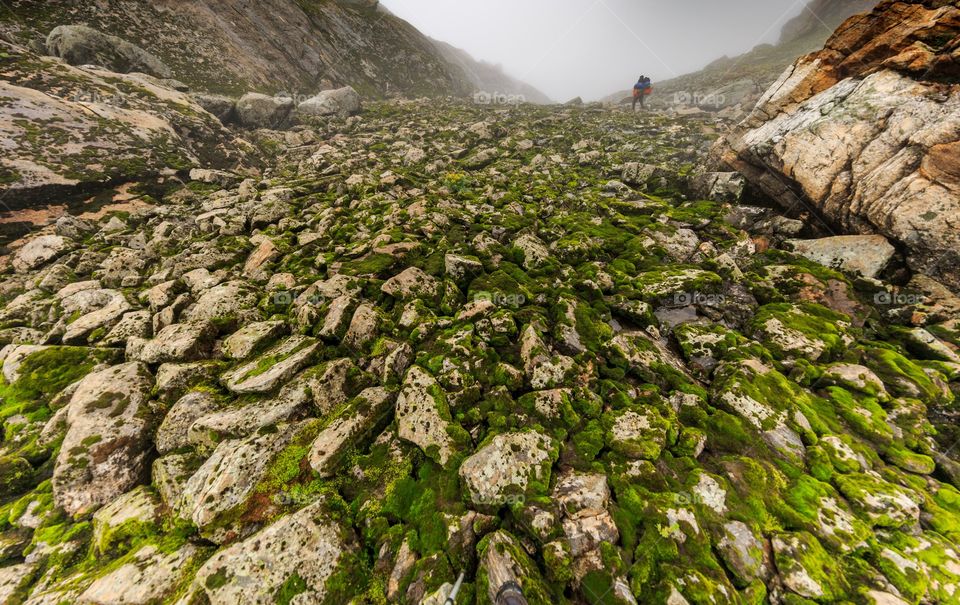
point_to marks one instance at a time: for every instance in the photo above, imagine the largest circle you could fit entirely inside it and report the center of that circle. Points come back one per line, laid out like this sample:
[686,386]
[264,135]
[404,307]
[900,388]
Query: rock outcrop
[866,133]
[64,129]
[82,45]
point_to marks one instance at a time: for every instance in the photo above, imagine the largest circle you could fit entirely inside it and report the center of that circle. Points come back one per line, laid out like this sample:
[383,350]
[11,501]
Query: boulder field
[530,344]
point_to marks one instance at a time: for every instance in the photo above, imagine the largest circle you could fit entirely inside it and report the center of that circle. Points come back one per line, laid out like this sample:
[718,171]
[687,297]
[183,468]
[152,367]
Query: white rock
[307,543]
[505,466]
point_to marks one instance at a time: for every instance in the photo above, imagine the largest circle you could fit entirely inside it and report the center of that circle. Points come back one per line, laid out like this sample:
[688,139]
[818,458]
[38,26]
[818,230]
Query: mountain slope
[233,46]
[487,78]
[729,81]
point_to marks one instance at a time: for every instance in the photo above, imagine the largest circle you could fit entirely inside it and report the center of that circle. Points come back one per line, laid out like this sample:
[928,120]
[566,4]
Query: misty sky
[592,48]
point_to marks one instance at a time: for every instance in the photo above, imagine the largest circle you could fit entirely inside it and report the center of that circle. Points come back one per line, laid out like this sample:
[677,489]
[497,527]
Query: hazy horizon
[593,48]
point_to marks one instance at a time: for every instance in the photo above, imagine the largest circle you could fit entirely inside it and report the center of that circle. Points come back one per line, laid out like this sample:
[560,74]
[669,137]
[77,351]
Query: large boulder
[343,101]
[255,110]
[865,255]
[106,447]
[179,342]
[273,368]
[423,416]
[151,576]
[39,251]
[346,429]
[82,45]
[865,132]
[227,479]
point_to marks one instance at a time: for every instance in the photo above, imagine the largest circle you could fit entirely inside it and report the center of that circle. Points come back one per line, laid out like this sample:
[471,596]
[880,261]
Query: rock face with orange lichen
[867,131]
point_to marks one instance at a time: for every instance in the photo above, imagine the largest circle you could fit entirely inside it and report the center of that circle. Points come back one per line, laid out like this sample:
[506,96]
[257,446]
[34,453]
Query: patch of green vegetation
[293,586]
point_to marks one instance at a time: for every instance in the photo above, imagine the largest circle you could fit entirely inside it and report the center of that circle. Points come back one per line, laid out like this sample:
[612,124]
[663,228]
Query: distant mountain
[487,78]
[728,82]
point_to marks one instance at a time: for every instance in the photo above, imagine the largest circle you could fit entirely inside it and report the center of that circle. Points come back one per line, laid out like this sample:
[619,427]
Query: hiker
[641,89]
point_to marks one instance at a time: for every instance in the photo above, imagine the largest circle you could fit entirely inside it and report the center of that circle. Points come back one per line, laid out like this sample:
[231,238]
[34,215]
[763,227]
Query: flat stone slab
[866,255]
[273,368]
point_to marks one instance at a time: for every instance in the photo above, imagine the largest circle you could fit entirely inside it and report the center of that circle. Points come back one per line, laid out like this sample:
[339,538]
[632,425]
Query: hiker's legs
[643,101]
[634,104]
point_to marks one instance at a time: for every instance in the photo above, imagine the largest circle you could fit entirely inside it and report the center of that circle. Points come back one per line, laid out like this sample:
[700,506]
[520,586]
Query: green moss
[266,362]
[806,556]
[813,323]
[218,579]
[16,475]
[293,586]
[902,377]
[373,264]
[44,374]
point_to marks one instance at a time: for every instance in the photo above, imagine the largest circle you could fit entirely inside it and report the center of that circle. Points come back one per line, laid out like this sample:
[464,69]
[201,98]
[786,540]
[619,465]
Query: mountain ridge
[274,46]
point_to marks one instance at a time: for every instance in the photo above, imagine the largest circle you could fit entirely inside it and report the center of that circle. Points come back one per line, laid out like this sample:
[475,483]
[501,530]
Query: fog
[592,48]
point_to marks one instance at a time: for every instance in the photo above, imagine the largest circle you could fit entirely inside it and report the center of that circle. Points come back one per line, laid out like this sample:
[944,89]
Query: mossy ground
[592,302]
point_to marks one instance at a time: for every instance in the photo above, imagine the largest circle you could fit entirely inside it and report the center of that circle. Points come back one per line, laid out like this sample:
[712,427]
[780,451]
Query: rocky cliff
[866,132]
[234,46]
[821,17]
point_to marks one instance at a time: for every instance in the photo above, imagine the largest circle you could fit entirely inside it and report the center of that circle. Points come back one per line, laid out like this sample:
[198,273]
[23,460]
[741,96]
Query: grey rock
[180,342]
[82,45]
[503,468]
[174,430]
[151,576]
[228,478]
[348,427]
[223,108]
[40,251]
[865,255]
[412,283]
[138,506]
[252,337]
[343,101]
[256,110]
[104,452]
[743,553]
[422,417]
[307,543]
[273,368]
